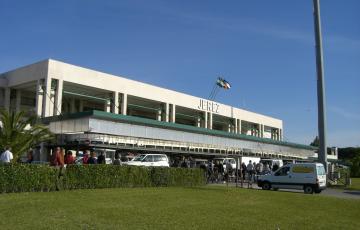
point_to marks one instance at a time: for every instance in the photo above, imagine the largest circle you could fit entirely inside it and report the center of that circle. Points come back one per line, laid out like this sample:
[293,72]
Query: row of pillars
[49,100]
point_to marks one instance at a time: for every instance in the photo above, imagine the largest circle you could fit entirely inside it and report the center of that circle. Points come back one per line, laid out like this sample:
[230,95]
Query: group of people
[58,157]
[219,172]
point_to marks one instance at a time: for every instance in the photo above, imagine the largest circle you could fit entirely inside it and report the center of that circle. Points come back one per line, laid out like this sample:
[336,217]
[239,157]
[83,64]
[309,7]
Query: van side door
[280,179]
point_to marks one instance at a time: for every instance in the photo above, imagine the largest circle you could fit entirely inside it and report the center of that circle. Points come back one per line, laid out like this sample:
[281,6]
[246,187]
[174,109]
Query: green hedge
[27,178]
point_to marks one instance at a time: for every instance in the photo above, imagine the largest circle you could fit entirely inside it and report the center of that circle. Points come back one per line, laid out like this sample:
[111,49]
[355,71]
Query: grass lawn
[176,208]
[355,183]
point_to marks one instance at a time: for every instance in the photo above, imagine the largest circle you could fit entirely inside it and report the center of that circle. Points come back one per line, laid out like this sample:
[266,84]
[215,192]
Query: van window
[320,170]
[149,158]
[283,171]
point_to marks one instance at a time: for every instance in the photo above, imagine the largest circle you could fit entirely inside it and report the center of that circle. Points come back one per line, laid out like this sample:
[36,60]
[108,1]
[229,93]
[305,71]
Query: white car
[150,160]
[310,177]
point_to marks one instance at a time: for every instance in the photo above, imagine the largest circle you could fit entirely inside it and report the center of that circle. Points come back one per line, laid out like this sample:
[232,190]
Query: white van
[149,160]
[310,177]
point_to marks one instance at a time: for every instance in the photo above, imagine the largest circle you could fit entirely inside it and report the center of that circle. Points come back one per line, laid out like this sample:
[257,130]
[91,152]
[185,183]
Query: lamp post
[322,155]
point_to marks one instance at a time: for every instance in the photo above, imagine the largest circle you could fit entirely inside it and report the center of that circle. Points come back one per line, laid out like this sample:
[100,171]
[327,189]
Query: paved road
[339,193]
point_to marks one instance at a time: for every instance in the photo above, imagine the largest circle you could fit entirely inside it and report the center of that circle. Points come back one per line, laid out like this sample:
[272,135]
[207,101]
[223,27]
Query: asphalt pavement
[334,192]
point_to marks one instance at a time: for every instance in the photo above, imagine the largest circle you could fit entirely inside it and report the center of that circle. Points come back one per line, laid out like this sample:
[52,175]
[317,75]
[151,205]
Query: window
[149,158]
[320,170]
[284,171]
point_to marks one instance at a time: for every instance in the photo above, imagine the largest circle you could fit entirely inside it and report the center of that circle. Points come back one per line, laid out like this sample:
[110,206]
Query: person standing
[69,158]
[117,160]
[92,159]
[250,171]
[7,156]
[86,157]
[30,157]
[57,159]
[101,158]
[243,170]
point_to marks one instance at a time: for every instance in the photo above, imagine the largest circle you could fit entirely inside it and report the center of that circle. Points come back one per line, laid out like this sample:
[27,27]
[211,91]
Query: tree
[21,133]
[316,142]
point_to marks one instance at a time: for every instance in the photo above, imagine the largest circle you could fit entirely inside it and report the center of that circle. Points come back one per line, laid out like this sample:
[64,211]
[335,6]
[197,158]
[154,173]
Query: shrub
[113,176]
[28,178]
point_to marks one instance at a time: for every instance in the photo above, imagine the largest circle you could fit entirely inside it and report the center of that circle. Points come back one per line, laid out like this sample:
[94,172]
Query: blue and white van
[310,177]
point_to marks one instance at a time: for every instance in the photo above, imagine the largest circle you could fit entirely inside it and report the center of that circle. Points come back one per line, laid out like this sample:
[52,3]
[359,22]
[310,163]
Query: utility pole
[322,155]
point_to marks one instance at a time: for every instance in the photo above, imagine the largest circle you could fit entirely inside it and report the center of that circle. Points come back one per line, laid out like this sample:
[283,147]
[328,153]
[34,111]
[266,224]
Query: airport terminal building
[87,108]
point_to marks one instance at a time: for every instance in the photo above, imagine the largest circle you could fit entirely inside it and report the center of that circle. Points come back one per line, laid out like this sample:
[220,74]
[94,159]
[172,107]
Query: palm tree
[21,133]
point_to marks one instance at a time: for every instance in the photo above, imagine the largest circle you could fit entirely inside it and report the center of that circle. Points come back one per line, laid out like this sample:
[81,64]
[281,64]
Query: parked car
[310,177]
[149,160]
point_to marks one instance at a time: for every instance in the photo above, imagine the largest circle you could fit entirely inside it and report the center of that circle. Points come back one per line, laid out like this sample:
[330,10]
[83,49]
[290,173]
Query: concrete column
[159,113]
[72,105]
[262,130]
[18,100]
[167,112]
[58,97]
[7,99]
[39,99]
[236,126]
[206,120]
[46,98]
[107,106]
[210,126]
[81,105]
[124,104]
[52,102]
[173,113]
[198,122]
[281,135]
[115,104]
[239,126]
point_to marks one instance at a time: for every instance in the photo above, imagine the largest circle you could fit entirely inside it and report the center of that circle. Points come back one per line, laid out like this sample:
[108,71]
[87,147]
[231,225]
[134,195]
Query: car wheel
[266,186]
[308,189]
[317,191]
[275,189]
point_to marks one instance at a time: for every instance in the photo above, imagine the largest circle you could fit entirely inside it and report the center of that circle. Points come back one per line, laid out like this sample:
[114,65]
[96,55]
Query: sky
[265,49]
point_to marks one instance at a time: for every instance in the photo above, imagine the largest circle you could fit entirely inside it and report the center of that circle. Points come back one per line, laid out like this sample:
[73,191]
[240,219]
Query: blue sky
[265,49]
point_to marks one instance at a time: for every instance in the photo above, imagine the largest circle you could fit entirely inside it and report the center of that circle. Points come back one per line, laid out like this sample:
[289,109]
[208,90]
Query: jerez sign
[208,106]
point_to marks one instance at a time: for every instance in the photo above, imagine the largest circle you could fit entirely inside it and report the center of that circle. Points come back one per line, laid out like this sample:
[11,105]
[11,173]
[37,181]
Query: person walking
[7,156]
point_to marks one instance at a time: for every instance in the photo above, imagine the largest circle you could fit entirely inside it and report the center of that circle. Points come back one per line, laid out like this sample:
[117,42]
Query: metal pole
[322,155]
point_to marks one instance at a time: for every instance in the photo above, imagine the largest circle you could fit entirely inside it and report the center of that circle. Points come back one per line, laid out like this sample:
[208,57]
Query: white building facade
[52,88]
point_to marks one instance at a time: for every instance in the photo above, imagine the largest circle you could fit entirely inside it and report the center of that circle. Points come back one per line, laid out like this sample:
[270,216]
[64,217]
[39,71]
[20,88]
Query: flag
[223,83]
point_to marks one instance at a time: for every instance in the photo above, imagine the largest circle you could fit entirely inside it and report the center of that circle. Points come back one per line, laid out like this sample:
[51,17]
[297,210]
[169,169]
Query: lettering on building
[208,106]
